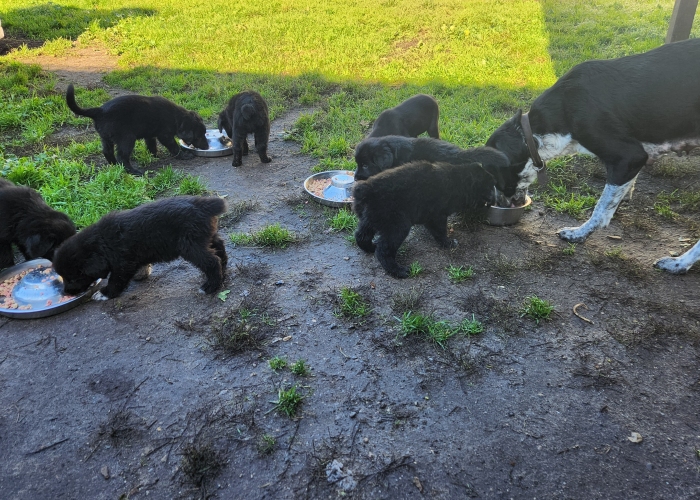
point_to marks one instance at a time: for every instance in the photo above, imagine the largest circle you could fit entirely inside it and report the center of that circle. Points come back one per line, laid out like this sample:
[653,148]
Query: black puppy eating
[28,222]
[246,113]
[123,242]
[123,120]
[391,202]
[411,118]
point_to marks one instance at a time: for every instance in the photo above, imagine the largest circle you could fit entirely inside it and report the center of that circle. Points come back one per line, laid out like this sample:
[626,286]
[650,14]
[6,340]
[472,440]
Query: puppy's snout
[201,143]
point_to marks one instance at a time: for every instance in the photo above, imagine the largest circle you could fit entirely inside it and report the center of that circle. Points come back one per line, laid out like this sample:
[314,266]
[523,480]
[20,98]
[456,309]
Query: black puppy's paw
[184,155]
[209,287]
[266,159]
[400,272]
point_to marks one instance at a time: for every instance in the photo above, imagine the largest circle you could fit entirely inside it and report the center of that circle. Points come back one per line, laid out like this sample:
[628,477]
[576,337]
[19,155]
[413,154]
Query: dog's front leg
[602,213]
[680,265]
[118,281]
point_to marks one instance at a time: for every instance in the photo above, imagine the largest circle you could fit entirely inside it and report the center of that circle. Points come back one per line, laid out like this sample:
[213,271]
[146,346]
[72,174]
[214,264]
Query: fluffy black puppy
[420,192]
[246,113]
[123,120]
[375,154]
[411,118]
[122,242]
[28,222]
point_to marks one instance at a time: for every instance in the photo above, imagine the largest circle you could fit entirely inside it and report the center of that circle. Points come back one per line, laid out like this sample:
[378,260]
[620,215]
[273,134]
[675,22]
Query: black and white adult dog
[28,222]
[246,113]
[376,154]
[411,118]
[123,243]
[421,192]
[124,119]
[625,111]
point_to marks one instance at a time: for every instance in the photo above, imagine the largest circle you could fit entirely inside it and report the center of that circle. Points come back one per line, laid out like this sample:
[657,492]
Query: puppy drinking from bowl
[124,119]
[246,113]
[122,243]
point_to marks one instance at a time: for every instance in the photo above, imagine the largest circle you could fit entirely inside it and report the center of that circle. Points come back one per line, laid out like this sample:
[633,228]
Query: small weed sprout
[266,445]
[439,331]
[288,401]
[343,220]
[352,304]
[415,269]
[536,308]
[472,326]
[300,368]
[570,249]
[460,273]
[272,235]
[277,363]
[615,253]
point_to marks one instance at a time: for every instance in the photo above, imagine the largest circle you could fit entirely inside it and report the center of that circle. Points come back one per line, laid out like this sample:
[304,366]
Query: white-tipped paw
[572,234]
[98,296]
[671,265]
[143,272]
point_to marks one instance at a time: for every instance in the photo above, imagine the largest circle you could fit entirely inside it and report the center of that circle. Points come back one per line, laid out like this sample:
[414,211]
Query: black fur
[611,106]
[245,114]
[373,155]
[121,243]
[123,120]
[28,222]
[411,118]
[420,192]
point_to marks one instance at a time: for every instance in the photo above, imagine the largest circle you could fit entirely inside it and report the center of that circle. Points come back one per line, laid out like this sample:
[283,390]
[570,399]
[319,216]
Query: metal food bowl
[40,291]
[219,145]
[505,216]
[337,192]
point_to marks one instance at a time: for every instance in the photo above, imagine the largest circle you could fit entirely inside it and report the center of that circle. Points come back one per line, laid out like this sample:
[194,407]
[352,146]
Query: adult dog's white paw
[143,272]
[671,265]
[573,234]
[98,296]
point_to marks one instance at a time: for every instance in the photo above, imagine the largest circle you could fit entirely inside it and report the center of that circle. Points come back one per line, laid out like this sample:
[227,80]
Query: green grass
[460,273]
[272,235]
[277,363]
[288,401]
[343,220]
[536,308]
[300,368]
[352,304]
[570,249]
[439,331]
[415,269]
[266,444]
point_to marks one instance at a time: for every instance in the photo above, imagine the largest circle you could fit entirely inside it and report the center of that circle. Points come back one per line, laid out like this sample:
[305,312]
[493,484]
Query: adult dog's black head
[43,236]
[79,263]
[191,130]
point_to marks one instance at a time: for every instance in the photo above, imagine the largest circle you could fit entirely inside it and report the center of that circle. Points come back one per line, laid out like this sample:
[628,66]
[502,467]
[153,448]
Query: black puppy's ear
[385,157]
[96,266]
[36,246]
[516,119]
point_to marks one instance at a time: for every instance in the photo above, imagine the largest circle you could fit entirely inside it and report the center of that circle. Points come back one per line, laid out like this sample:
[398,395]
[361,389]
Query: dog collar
[539,163]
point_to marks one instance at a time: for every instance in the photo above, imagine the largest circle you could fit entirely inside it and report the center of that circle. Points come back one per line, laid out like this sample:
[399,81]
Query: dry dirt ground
[136,398]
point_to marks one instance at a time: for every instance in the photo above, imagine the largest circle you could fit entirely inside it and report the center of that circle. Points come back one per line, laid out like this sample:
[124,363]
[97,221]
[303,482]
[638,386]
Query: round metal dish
[216,147]
[500,216]
[39,286]
[337,192]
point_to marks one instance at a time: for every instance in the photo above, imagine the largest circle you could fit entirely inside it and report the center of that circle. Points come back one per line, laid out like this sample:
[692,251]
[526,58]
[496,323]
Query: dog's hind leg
[681,264]
[261,138]
[108,150]
[124,149]
[207,261]
[433,130]
[151,145]
[217,244]
[438,228]
[364,235]
[387,247]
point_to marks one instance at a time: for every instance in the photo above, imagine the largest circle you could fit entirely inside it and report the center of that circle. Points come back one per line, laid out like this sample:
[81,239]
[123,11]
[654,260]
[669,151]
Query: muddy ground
[137,397]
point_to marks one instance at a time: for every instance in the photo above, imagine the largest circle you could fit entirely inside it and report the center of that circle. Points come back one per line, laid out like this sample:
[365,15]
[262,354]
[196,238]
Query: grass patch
[288,401]
[569,249]
[408,300]
[300,368]
[343,220]
[536,308]
[351,304]
[561,200]
[201,464]
[266,444]
[439,331]
[277,363]
[460,273]
[415,269]
[273,235]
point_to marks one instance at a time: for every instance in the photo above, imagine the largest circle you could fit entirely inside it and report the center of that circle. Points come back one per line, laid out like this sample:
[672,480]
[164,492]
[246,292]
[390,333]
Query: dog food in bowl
[506,216]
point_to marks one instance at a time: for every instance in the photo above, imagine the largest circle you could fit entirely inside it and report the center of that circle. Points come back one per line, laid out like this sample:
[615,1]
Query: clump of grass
[351,304]
[415,269]
[406,301]
[273,235]
[439,331]
[343,220]
[570,249]
[200,464]
[288,401]
[192,186]
[615,253]
[471,326]
[236,333]
[561,200]
[503,267]
[277,363]
[536,308]
[300,368]
[266,444]
[460,273]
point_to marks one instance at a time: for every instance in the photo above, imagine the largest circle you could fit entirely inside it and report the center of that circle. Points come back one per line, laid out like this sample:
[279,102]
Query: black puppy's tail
[212,205]
[70,100]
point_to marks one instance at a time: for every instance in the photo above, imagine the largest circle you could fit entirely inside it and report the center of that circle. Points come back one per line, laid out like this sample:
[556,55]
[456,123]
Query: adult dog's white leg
[602,213]
[680,265]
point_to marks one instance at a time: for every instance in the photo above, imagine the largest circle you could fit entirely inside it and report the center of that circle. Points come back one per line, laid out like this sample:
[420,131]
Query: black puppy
[28,222]
[420,192]
[625,111]
[376,154]
[123,242]
[246,113]
[411,118]
[123,120]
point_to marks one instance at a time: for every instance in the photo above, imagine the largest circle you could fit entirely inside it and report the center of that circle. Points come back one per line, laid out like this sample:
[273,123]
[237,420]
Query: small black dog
[28,222]
[411,118]
[121,243]
[420,192]
[376,154]
[123,120]
[246,113]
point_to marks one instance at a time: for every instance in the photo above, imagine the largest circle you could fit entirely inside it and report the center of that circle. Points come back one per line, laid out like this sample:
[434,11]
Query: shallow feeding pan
[332,188]
[32,289]
[219,145]
[505,216]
